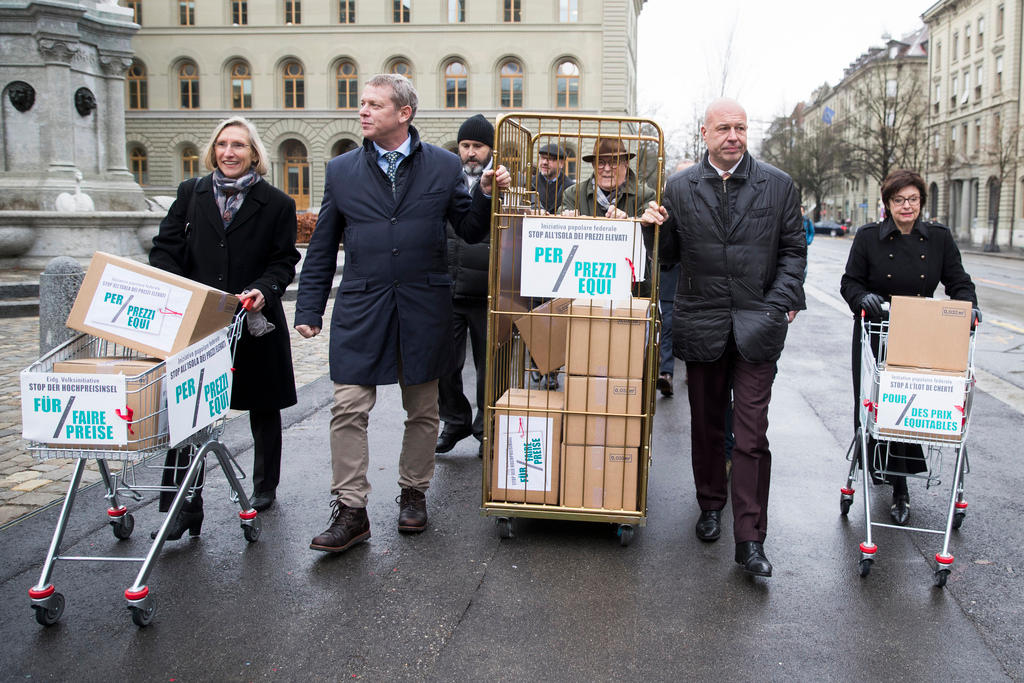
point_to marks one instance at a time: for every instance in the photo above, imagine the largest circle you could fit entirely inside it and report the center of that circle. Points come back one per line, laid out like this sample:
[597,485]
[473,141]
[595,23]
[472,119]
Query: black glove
[976,318]
[871,304]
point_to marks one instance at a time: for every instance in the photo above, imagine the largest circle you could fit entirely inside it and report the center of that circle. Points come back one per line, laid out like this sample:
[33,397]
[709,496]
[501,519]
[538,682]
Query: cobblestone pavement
[27,483]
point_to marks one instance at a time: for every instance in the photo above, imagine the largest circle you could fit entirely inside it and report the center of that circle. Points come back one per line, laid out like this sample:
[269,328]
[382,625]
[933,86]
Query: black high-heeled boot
[900,510]
[189,518]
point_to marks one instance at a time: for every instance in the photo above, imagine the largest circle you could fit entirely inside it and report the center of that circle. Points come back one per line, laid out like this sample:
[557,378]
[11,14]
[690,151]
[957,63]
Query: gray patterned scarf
[230,192]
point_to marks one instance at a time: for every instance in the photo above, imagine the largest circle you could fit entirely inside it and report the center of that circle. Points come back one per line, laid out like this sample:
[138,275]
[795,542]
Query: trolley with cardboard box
[572,327]
[916,388]
[151,370]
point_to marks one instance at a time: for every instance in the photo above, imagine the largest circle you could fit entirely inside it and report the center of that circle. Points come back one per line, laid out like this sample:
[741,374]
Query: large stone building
[876,112]
[976,157]
[296,69]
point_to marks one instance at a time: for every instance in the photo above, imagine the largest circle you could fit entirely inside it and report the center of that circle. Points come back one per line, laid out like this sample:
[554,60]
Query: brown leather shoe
[348,527]
[412,517]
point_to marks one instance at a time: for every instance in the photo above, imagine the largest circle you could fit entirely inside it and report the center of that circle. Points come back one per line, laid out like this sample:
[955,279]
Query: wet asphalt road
[561,600]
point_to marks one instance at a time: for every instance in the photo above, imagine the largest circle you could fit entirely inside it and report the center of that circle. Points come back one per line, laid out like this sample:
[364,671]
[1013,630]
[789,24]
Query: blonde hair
[259,162]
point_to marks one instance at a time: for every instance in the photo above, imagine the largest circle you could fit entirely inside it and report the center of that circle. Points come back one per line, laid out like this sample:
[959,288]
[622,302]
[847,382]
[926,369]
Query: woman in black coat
[902,256]
[235,231]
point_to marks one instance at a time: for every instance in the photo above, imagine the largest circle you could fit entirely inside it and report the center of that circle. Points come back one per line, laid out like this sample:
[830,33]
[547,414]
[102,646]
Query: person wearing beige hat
[613,191]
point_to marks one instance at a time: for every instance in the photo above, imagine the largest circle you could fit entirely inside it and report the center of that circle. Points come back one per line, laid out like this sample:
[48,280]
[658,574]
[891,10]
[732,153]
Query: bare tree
[1003,154]
[947,162]
[887,132]
[814,162]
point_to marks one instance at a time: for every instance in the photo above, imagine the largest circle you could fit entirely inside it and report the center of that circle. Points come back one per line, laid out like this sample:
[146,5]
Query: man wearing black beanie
[467,264]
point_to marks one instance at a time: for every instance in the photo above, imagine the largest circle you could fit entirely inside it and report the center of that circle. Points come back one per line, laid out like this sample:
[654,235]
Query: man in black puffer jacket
[468,265]
[733,225]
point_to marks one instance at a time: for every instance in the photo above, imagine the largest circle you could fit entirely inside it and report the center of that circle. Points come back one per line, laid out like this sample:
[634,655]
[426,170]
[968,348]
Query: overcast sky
[781,50]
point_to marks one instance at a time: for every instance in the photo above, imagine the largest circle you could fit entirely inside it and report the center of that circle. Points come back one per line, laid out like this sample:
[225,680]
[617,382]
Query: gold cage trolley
[572,325]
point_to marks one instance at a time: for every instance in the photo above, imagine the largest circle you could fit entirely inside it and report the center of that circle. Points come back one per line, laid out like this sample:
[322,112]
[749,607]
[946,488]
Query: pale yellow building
[296,69]
[976,157]
[884,85]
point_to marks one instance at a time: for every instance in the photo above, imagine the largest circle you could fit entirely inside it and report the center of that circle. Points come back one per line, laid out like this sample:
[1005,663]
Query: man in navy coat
[387,202]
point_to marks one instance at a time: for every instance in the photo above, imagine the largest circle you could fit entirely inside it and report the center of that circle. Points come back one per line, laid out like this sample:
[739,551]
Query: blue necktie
[392,158]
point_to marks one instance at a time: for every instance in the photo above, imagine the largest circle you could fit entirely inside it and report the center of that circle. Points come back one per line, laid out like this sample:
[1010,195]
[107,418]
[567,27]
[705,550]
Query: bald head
[725,132]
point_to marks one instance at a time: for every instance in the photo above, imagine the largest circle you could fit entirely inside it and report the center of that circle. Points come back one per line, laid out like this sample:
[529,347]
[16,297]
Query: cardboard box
[931,334]
[917,404]
[146,401]
[545,335]
[610,346]
[601,397]
[145,308]
[600,477]
[527,446]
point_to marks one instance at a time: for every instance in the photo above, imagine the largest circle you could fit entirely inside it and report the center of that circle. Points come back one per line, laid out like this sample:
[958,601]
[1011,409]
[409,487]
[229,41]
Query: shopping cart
[148,436]
[874,335]
[532,467]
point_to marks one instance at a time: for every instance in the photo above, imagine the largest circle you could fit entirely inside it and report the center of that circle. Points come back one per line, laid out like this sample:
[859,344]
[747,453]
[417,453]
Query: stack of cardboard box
[923,386]
[152,312]
[604,404]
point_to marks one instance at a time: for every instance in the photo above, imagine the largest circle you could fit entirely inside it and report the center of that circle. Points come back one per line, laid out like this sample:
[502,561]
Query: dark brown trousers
[708,386]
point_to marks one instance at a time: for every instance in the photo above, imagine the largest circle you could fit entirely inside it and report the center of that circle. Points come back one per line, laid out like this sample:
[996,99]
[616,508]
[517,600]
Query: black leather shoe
[263,500]
[665,384]
[900,510]
[449,437]
[348,527]
[709,526]
[412,515]
[480,451]
[750,554]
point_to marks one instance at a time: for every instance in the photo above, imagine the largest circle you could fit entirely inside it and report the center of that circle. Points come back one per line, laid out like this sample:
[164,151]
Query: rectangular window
[967,88]
[977,135]
[187,13]
[891,88]
[456,11]
[981,32]
[1000,18]
[956,47]
[346,11]
[189,94]
[568,11]
[953,91]
[938,56]
[138,94]
[963,140]
[136,7]
[401,11]
[999,74]
[997,128]
[239,12]
[512,13]
[293,11]
[241,93]
[294,93]
[967,40]
[979,78]
[938,96]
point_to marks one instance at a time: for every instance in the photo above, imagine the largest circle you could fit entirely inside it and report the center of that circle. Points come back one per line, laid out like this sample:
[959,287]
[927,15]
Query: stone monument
[62,134]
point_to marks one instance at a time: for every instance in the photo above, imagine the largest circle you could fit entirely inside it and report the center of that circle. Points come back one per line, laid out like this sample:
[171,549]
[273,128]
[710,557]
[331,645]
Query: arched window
[188,85]
[241,86]
[348,86]
[294,86]
[567,86]
[138,90]
[455,85]
[511,85]
[400,66]
[296,173]
[139,165]
[189,163]
[342,146]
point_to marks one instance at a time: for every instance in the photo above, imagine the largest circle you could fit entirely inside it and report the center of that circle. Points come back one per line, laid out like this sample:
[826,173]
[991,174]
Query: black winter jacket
[741,248]
[255,251]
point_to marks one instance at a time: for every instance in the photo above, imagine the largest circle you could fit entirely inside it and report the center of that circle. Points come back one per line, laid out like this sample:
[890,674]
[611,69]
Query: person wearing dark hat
[550,180]
[613,191]
[467,264]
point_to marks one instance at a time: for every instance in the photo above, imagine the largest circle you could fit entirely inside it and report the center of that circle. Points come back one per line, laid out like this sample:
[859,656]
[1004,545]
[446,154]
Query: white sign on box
[581,257]
[918,402]
[135,306]
[74,409]
[198,385]
[524,453]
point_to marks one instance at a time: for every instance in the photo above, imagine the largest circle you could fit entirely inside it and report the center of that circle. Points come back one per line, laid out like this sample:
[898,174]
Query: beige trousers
[350,452]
